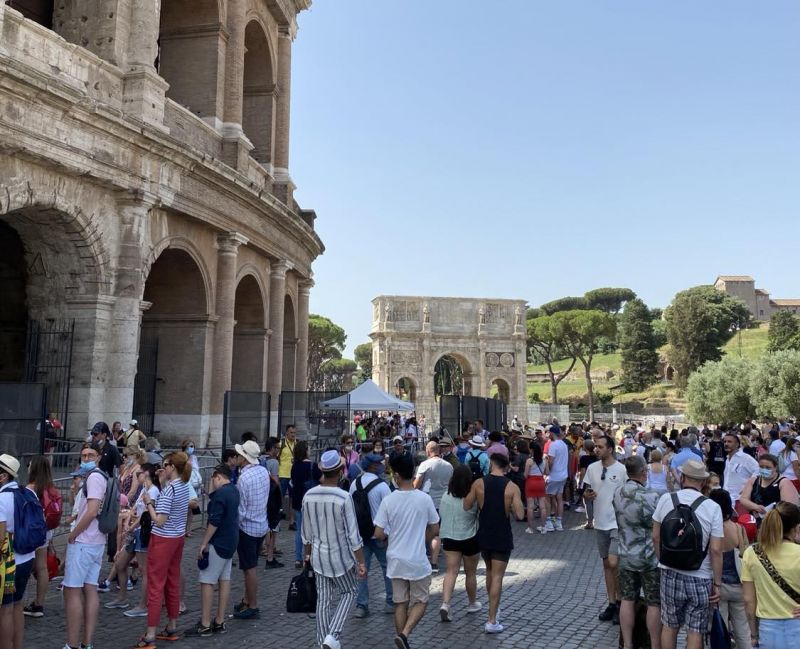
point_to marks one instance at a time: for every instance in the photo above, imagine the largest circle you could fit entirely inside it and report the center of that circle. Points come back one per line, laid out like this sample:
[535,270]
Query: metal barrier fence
[450,414]
[23,407]
[455,410]
[314,423]
[245,411]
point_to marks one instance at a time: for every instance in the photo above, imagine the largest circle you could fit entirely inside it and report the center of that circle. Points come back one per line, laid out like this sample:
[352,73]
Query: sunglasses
[603,475]
[166,464]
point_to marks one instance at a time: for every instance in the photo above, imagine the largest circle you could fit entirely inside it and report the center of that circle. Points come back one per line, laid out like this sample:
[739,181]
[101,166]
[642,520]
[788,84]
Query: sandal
[170,635]
[144,643]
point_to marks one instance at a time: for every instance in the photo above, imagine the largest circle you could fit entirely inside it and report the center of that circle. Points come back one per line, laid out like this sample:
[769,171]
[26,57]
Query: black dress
[494,525]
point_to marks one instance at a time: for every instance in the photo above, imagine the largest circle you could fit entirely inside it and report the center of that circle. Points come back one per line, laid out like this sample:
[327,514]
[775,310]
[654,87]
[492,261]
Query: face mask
[765,473]
[88,466]
[378,451]
[348,447]
[190,450]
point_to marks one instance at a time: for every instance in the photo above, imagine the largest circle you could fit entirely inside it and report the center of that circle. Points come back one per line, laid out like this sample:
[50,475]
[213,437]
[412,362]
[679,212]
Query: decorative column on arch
[284,187]
[277,297]
[235,145]
[301,367]
[144,91]
[227,253]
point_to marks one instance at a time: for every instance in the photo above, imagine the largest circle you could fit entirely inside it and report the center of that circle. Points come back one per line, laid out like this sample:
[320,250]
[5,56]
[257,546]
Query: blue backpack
[30,528]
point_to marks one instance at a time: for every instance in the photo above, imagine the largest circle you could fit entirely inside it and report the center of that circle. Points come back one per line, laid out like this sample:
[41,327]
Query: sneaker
[331,643]
[388,608]
[474,607]
[401,642]
[558,526]
[33,610]
[608,614]
[130,584]
[493,628]
[444,612]
[546,528]
[103,587]
[135,612]
[567,506]
[615,618]
[240,606]
[219,629]
[361,612]
[434,569]
[247,614]
[528,530]
[272,564]
[116,604]
[86,646]
[580,510]
[198,631]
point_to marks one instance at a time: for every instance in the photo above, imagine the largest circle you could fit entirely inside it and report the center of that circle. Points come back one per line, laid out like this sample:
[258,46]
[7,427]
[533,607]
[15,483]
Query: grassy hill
[753,344]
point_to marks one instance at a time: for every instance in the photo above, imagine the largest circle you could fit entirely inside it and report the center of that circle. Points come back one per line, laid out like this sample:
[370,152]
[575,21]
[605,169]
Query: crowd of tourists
[684,521]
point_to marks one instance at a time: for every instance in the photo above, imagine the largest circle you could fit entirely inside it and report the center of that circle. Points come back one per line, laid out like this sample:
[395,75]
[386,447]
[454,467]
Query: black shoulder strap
[371,485]
[700,500]
[675,502]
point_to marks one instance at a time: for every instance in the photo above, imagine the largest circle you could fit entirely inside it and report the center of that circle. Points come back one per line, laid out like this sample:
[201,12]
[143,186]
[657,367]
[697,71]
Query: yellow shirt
[772,602]
[285,459]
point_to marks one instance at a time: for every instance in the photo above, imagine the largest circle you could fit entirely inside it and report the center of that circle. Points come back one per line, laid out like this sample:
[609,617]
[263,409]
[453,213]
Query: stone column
[144,90]
[227,252]
[520,399]
[482,390]
[235,145]
[284,187]
[301,368]
[277,296]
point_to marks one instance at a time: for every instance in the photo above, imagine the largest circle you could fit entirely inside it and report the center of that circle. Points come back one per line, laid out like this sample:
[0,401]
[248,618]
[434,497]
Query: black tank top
[768,495]
[494,531]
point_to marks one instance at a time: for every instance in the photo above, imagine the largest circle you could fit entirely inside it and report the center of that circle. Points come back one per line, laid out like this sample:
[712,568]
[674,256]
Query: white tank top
[657,481]
[536,469]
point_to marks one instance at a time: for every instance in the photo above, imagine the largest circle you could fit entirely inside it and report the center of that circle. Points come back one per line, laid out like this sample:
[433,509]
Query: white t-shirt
[404,516]
[7,516]
[710,516]
[559,460]
[435,473]
[789,472]
[627,444]
[776,446]
[140,506]
[615,476]
[738,470]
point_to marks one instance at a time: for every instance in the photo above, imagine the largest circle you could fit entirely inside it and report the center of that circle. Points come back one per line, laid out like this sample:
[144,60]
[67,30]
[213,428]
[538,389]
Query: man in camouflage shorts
[634,505]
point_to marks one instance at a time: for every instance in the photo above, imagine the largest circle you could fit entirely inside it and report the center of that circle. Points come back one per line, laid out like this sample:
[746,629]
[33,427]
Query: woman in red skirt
[535,471]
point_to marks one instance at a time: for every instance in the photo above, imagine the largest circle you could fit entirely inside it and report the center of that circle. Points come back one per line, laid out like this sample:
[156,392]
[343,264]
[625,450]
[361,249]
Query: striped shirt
[330,526]
[174,502]
[253,486]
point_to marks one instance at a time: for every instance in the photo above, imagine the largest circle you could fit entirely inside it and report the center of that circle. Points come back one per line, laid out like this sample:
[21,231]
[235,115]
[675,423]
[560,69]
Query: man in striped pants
[333,546]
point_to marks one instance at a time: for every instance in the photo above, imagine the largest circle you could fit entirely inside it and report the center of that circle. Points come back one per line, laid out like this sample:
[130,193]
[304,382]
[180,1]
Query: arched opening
[39,11]
[191,55]
[500,389]
[249,338]
[289,344]
[13,307]
[177,324]
[451,375]
[258,101]
[406,389]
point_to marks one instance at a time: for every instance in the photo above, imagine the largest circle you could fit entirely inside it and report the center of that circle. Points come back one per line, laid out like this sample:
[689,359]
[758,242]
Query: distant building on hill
[756,299]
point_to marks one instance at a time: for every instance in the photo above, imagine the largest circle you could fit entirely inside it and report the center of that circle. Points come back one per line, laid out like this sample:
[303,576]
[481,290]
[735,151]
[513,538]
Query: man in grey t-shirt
[433,476]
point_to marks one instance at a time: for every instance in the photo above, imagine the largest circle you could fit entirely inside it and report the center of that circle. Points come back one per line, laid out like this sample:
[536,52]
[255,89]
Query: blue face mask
[190,450]
[88,466]
[765,473]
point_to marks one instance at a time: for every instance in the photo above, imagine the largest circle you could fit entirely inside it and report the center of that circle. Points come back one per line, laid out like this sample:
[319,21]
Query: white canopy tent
[367,396]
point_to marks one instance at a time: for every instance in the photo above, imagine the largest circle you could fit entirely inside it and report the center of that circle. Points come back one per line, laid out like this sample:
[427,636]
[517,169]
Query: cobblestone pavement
[552,594]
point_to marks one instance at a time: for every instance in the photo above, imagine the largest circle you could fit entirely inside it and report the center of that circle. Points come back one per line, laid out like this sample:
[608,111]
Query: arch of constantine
[424,346]
[145,196]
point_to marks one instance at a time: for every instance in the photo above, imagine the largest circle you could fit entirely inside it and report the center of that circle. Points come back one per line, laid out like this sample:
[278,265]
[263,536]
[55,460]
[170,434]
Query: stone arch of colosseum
[145,195]
[484,337]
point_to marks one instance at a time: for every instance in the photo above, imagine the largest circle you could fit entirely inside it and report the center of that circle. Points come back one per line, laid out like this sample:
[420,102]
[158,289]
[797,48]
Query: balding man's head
[432,449]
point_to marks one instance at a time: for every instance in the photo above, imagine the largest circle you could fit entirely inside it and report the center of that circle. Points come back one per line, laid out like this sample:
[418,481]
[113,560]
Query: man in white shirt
[602,481]
[433,476]
[776,445]
[408,519]
[557,475]
[688,595]
[373,467]
[739,467]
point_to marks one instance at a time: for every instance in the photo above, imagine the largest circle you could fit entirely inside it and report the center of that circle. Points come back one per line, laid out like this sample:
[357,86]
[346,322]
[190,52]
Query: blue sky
[530,149]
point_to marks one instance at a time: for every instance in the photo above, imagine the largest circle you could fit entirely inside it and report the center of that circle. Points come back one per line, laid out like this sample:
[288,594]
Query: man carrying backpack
[85,545]
[371,488]
[476,458]
[687,536]
[22,517]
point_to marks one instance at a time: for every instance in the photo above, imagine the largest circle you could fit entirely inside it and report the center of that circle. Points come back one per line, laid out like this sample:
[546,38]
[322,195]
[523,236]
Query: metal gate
[245,411]
[455,411]
[144,385]
[48,360]
[450,414]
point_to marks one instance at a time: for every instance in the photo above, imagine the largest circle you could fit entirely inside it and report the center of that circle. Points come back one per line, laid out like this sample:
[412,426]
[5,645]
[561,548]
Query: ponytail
[182,465]
[782,519]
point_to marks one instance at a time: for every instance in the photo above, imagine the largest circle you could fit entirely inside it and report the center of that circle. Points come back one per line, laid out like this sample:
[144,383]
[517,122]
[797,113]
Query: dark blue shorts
[21,577]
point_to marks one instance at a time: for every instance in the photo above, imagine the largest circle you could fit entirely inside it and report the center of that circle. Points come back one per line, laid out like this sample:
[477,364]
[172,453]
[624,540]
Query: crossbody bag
[774,575]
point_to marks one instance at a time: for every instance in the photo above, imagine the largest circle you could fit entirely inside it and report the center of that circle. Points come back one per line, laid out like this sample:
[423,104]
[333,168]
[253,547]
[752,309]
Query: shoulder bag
[774,575]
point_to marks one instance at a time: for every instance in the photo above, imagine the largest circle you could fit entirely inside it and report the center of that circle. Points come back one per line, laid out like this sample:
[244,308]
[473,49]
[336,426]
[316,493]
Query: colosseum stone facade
[145,200]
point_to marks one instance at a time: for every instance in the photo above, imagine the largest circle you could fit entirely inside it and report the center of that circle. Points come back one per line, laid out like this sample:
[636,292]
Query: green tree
[580,332]
[326,342]
[700,321]
[784,332]
[531,313]
[545,343]
[720,391]
[563,304]
[608,299]
[638,346]
[363,355]
[775,384]
[659,330]
[335,374]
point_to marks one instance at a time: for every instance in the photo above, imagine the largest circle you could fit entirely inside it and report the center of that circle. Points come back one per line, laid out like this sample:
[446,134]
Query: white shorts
[82,564]
[219,569]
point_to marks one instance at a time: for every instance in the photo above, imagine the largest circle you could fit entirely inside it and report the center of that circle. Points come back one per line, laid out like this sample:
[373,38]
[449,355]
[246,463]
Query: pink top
[95,490]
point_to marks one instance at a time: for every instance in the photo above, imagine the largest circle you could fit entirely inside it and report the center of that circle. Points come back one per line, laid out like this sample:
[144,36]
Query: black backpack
[363,512]
[474,464]
[682,536]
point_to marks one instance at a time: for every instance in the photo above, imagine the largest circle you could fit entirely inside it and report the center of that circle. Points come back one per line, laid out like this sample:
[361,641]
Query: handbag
[773,573]
[718,637]
[302,596]
[145,529]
